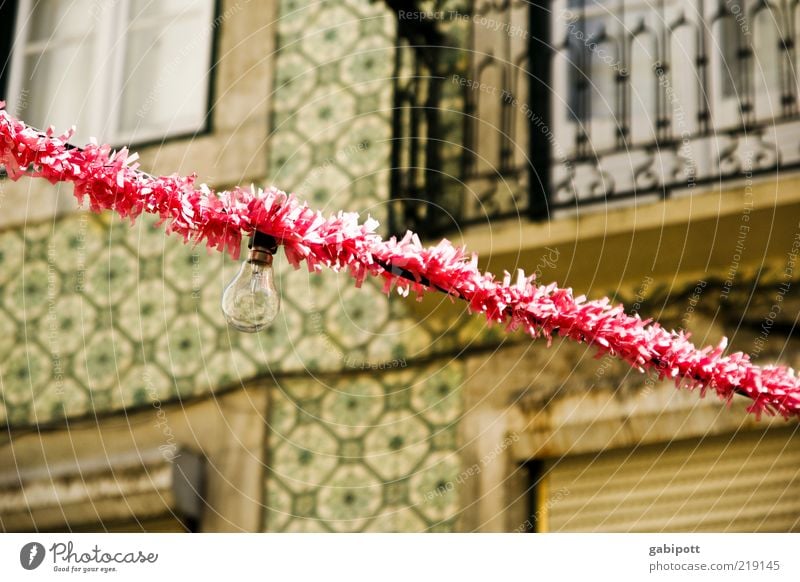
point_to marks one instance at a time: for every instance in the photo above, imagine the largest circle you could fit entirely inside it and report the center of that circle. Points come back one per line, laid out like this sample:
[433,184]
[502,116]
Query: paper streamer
[110,180]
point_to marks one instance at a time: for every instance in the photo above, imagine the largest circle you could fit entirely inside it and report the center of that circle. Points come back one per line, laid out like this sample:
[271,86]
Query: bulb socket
[259,256]
[262,248]
[263,241]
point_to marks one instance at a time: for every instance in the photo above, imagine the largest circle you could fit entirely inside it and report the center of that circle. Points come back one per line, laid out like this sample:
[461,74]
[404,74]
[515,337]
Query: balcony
[538,109]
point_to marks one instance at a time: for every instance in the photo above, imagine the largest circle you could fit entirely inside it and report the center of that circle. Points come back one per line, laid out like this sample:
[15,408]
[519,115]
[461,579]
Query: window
[650,99]
[120,70]
[730,46]
[742,482]
[592,58]
[7,18]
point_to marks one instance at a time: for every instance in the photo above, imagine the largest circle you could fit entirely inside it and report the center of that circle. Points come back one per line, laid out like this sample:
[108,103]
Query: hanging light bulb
[251,301]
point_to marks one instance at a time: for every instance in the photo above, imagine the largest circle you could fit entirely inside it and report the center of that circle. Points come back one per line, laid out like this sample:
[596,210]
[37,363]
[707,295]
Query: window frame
[112,41]
[8,18]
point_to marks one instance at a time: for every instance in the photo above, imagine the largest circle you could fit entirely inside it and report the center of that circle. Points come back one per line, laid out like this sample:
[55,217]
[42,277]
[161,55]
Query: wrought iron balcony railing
[536,107]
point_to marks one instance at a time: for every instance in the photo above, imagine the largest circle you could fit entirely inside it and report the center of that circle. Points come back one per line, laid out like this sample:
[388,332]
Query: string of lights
[111,180]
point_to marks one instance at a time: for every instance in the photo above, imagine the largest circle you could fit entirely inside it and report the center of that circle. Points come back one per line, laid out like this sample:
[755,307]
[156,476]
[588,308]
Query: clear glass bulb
[250,301]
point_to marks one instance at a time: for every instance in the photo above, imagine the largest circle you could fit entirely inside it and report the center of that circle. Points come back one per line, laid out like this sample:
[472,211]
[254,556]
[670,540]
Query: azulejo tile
[117,230]
[304,525]
[395,493]
[434,489]
[185,345]
[187,386]
[290,160]
[25,372]
[79,238]
[325,152]
[310,412]
[67,325]
[376,23]
[362,149]
[398,397]
[268,347]
[351,450]
[151,268]
[325,187]
[437,398]
[278,503]
[143,385]
[287,120]
[8,334]
[294,80]
[20,414]
[208,300]
[396,445]
[357,317]
[186,269]
[112,276]
[316,353]
[147,239]
[305,505]
[103,361]
[328,76]
[309,293]
[370,104]
[12,253]
[145,313]
[100,399]
[444,438]
[404,338]
[27,296]
[364,195]
[349,498]
[369,67]
[474,330]
[60,397]
[401,449]
[36,241]
[227,369]
[369,482]
[304,460]
[304,390]
[326,114]
[397,519]
[350,409]
[331,34]
[282,416]
[294,15]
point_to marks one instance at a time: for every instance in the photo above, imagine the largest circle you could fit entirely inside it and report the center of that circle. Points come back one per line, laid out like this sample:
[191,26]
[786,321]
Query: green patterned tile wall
[357,451]
[97,316]
[366,452]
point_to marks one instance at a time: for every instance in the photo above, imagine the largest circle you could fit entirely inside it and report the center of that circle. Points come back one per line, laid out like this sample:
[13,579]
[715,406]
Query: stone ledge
[70,497]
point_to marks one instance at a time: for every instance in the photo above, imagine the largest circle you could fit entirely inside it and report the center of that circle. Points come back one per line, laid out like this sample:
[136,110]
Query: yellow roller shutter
[744,482]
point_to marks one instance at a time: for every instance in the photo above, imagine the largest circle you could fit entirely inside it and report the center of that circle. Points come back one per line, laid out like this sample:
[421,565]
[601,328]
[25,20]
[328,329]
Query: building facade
[563,138]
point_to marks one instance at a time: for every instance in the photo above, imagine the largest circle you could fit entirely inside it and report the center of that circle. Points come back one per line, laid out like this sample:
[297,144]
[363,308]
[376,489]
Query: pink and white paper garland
[110,181]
